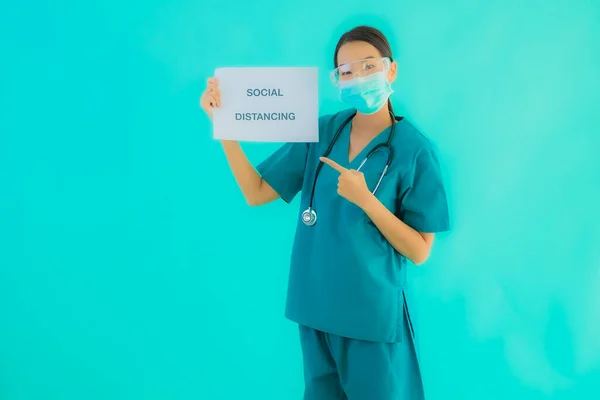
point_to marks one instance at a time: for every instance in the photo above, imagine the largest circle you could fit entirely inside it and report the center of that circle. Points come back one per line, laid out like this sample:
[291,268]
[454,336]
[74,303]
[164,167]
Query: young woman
[372,199]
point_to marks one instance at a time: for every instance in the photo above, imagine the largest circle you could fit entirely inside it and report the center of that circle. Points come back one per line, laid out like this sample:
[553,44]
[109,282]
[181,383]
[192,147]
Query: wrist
[369,203]
[229,143]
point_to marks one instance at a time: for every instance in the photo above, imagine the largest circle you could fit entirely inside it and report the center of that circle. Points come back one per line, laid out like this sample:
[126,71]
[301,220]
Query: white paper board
[269,104]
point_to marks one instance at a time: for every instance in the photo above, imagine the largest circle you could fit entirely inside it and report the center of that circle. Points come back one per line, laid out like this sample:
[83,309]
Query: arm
[279,176]
[422,208]
[413,245]
[255,189]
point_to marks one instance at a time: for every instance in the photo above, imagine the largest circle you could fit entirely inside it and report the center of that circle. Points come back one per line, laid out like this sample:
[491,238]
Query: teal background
[131,268]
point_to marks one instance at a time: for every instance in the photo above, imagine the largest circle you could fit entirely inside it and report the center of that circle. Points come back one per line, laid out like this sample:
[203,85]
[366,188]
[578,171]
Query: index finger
[333,164]
[212,81]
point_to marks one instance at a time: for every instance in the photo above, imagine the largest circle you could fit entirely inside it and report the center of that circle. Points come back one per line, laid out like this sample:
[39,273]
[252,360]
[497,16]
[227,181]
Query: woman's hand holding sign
[211,98]
[351,184]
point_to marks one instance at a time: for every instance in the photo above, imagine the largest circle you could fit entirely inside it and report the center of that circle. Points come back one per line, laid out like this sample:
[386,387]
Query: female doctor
[372,198]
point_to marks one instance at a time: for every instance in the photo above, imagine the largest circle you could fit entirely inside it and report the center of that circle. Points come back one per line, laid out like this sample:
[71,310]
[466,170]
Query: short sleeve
[424,205]
[284,169]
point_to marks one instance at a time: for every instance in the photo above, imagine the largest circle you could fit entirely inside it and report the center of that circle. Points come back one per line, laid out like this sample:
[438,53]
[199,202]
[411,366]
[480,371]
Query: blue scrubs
[347,284]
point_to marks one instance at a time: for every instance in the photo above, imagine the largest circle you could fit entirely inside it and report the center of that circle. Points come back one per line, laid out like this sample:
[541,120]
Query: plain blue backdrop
[131,268]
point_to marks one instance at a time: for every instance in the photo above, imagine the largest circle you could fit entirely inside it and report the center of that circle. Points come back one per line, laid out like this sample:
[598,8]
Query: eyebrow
[365,58]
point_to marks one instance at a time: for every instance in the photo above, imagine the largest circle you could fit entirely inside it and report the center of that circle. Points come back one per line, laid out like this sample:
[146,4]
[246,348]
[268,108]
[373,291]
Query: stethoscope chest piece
[309,217]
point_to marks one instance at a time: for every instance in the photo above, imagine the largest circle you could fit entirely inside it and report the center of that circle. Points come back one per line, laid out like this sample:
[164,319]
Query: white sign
[267,104]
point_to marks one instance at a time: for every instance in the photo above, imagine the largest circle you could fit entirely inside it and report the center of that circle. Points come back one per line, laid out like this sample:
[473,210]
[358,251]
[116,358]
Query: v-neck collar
[359,157]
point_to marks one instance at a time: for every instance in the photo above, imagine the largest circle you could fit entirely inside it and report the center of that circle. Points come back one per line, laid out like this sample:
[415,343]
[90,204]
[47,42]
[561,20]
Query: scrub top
[345,278]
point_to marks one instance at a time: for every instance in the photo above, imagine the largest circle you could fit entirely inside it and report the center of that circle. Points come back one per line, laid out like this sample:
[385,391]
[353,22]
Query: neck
[376,122]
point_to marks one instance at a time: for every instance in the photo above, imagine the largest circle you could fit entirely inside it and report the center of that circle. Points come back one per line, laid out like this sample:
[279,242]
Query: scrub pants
[338,368]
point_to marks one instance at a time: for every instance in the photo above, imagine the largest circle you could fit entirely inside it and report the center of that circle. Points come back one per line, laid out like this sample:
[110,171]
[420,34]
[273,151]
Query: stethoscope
[309,216]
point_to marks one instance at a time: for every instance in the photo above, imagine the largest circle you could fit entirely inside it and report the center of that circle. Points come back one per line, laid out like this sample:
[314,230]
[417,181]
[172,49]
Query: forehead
[354,51]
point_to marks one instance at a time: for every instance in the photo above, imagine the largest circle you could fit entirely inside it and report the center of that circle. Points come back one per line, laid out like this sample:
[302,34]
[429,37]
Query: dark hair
[369,35]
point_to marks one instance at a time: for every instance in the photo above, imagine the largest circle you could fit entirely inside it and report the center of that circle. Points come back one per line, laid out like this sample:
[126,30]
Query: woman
[348,266]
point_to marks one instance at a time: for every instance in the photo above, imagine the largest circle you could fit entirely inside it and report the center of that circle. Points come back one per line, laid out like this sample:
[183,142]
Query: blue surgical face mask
[367,94]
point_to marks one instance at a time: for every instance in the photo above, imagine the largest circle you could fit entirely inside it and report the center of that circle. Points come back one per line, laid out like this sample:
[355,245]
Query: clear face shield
[360,68]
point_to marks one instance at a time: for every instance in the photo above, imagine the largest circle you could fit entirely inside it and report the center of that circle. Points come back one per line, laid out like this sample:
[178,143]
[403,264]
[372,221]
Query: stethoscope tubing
[309,216]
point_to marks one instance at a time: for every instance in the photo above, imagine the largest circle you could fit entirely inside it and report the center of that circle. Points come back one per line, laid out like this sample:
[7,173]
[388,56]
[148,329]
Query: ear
[393,72]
